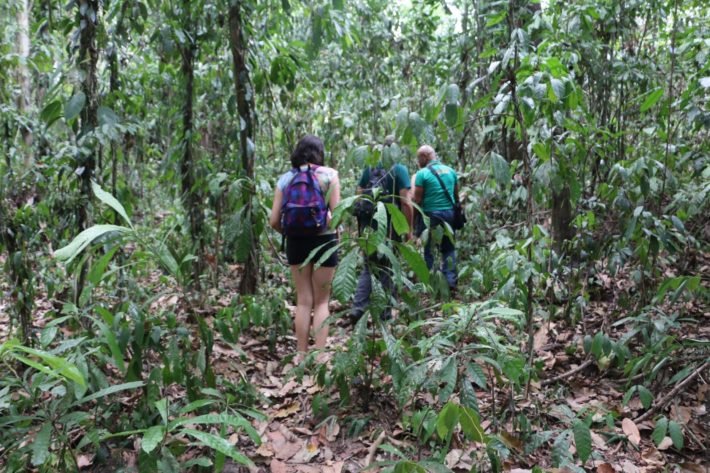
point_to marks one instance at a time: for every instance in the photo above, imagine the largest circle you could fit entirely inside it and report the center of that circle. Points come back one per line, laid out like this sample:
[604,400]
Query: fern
[345,279]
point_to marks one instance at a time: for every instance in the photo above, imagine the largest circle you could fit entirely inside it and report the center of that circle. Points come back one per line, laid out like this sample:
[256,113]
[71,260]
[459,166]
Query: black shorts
[298,249]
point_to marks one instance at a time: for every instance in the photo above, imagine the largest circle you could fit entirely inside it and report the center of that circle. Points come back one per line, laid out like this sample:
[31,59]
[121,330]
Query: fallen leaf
[453,457]
[692,468]
[83,461]
[288,450]
[631,431]
[287,410]
[264,450]
[598,440]
[278,467]
[336,467]
[628,467]
[309,451]
[287,388]
[605,468]
[540,337]
[665,444]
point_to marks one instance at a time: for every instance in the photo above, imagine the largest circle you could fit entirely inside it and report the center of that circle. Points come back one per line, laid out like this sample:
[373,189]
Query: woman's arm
[275,217]
[334,192]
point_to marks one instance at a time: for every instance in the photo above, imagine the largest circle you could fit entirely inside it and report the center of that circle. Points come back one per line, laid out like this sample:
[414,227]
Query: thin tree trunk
[245,106]
[187,171]
[87,61]
[24,99]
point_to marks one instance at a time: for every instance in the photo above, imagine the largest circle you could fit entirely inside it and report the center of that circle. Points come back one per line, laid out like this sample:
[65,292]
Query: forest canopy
[146,308]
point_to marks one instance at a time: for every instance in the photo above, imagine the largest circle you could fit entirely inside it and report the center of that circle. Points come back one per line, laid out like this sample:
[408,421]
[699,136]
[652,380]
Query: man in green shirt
[435,186]
[394,183]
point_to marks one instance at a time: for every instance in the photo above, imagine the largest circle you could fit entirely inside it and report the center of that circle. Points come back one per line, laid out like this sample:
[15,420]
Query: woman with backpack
[303,201]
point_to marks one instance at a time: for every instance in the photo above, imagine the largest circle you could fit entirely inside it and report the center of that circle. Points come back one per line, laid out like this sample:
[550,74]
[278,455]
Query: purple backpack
[304,211]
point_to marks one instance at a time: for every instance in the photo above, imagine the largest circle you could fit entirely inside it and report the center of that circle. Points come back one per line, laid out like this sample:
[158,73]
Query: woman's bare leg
[321,279]
[304,303]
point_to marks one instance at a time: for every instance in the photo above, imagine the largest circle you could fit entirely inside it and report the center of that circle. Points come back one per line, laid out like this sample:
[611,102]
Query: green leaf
[107,116]
[652,99]
[53,366]
[110,339]
[220,419]
[676,433]
[73,107]
[659,433]
[111,201]
[84,239]
[415,261]
[108,391]
[343,207]
[451,112]
[475,371]
[345,279]
[152,438]
[406,466]
[162,406]
[40,445]
[98,268]
[219,444]
[471,425]
[582,440]
[501,170]
[646,396]
[399,221]
[447,419]
[51,112]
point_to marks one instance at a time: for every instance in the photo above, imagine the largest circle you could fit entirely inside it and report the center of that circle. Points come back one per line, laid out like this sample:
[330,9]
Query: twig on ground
[569,373]
[373,448]
[673,393]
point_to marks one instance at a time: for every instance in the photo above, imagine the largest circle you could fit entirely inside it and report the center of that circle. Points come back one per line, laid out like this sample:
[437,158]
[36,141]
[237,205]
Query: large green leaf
[51,365]
[84,239]
[659,432]
[51,112]
[345,279]
[399,221]
[107,116]
[152,438]
[220,419]
[110,339]
[652,99]
[471,424]
[219,444]
[73,107]
[111,201]
[415,261]
[447,420]
[40,444]
[676,433]
[582,440]
[501,170]
[110,390]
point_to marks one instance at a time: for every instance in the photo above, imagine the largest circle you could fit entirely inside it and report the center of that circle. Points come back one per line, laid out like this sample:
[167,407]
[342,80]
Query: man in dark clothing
[394,184]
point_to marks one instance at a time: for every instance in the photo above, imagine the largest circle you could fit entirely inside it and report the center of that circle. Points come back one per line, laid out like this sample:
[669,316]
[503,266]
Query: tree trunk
[87,61]
[245,107]
[24,99]
[191,199]
[561,217]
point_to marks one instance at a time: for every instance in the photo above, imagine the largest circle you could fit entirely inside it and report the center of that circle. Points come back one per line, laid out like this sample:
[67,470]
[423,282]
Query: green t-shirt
[434,197]
[395,180]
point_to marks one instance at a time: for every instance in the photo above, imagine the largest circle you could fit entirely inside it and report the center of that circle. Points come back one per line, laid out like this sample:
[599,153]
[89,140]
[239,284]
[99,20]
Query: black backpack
[365,207]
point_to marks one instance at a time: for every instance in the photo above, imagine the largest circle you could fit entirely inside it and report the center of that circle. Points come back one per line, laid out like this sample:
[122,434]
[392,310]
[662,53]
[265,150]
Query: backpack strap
[430,167]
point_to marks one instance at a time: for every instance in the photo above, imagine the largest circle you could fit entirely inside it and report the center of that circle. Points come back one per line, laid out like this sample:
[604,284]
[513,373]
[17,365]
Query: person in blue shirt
[431,195]
[395,186]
